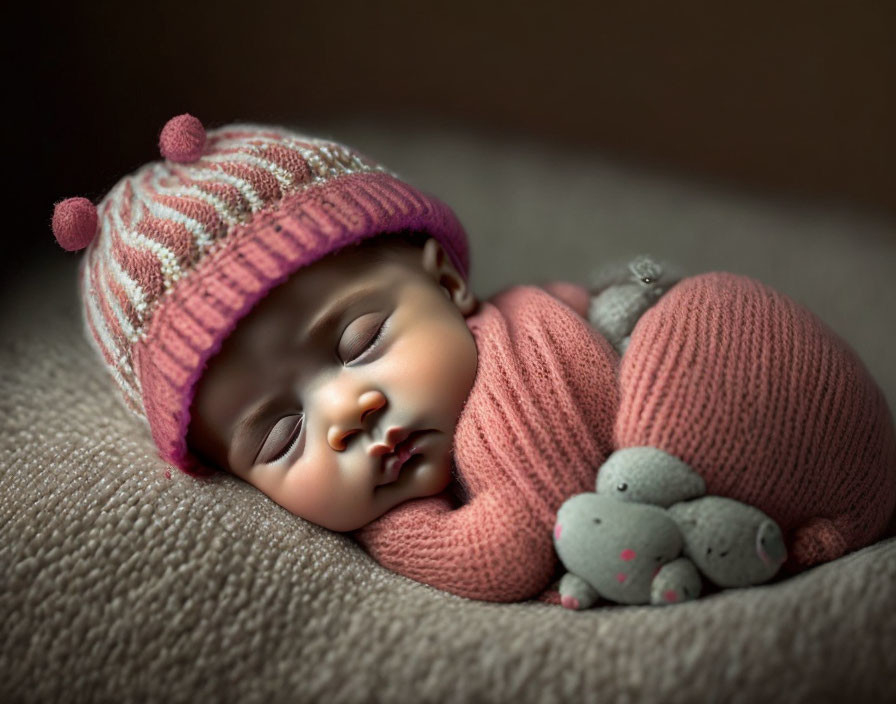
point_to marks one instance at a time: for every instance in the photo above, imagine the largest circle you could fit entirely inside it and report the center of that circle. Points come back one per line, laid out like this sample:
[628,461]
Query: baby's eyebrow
[332,312]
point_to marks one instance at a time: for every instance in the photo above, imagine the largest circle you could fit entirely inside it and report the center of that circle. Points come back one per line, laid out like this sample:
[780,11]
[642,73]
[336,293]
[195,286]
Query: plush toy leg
[576,593]
[676,581]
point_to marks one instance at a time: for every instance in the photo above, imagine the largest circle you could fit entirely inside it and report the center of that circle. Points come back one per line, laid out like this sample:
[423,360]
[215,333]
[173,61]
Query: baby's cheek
[434,472]
[433,372]
[449,360]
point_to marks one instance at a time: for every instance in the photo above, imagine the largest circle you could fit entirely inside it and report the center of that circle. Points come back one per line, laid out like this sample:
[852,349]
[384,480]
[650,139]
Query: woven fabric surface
[120,583]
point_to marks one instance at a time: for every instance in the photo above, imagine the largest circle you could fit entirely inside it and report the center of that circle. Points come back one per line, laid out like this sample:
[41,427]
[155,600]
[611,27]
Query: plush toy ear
[770,543]
[648,475]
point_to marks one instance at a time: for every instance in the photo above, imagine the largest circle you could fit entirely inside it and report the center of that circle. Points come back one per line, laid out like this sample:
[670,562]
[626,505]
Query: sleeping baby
[284,309]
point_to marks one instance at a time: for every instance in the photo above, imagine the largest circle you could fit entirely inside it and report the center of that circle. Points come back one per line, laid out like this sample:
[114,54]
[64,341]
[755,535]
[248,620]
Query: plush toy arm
[576,593]
[484,550]
[675,582]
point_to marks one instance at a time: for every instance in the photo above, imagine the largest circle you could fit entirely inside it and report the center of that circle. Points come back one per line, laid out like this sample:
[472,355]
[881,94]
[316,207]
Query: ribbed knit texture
[535,428]
[750,389]
[184,250]
[769,405]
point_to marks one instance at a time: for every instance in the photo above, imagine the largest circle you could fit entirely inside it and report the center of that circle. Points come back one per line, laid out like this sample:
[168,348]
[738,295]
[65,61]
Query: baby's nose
[336,437]
[349,419]
[371,401]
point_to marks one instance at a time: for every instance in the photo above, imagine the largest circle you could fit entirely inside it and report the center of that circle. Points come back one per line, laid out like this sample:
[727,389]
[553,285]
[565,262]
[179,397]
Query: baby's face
[307,407]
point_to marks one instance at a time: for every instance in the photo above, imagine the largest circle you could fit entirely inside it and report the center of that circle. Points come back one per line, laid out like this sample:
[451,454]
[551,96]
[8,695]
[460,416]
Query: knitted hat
[181,249]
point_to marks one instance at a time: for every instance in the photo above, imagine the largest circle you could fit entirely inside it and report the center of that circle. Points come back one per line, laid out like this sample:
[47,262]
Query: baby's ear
[437,264]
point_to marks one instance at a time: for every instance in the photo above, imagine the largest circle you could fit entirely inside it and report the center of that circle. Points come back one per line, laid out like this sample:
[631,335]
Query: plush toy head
[621,294]
[618,547]
[649,476]
[731,543]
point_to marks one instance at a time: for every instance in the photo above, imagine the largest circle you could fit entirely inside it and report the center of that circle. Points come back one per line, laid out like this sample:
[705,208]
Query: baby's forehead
[344,267]
[305,297]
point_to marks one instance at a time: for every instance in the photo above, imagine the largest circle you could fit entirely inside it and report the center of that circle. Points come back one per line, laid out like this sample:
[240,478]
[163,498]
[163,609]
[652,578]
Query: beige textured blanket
[120,583]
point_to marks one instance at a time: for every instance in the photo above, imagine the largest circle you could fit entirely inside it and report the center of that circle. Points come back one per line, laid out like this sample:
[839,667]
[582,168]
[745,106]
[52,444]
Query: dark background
[794,98]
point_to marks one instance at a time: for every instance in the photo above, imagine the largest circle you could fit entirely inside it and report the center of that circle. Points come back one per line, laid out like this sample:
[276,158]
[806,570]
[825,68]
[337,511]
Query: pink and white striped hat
[181,249]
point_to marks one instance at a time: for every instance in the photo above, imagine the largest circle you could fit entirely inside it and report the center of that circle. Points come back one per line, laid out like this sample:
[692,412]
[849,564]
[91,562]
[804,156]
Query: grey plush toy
[647,534]
[621,295]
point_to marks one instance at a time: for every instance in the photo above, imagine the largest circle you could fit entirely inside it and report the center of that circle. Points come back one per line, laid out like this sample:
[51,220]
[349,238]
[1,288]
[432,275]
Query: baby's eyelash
[292,444]
[376,338]
[375,341]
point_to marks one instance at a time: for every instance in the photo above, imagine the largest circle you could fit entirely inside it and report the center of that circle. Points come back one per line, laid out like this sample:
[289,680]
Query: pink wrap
[749,388]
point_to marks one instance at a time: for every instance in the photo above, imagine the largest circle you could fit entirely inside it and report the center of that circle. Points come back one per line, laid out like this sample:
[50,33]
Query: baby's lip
[394,437]
[407,444]
[403,451]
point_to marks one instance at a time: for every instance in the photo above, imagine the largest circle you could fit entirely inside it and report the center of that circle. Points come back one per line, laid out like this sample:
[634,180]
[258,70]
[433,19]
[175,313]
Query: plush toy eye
[722,554]
[647,280]
[709,551]
[597,520]
[659,559]
[622,486]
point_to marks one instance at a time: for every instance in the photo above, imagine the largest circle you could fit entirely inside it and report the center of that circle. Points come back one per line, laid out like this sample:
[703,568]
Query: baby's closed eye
[289,427]
[364,333]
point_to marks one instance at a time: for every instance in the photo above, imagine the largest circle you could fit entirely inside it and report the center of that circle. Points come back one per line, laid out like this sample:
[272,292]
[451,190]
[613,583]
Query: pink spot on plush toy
[627,554]
[557,530]
[74,223]
[569,602]
[670,595]
[182,139]
[621,577]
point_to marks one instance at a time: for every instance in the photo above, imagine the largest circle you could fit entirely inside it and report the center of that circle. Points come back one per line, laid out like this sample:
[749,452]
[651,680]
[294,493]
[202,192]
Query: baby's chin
[415,482]
[431,481]
[425,479]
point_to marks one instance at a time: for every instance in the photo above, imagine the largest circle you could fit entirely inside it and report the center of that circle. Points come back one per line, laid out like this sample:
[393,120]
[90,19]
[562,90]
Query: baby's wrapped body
[750,389]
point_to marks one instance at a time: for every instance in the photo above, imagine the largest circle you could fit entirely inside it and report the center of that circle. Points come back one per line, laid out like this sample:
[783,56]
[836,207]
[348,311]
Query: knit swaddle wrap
[536,426]
[750,389]
[769,406]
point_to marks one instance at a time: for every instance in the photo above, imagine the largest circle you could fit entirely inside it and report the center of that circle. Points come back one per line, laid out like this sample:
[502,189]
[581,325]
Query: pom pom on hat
[74,223]
[182,139]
